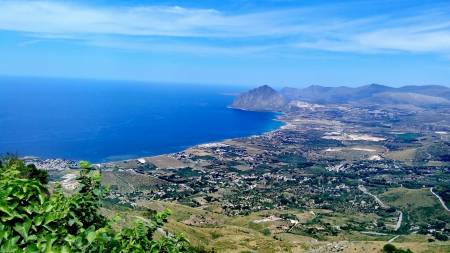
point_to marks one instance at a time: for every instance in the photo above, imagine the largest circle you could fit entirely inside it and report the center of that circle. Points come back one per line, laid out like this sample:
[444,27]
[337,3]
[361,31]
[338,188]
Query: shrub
[215,235]
[441,237]
[389,248]
[266,231]
[33,220]
[24,171]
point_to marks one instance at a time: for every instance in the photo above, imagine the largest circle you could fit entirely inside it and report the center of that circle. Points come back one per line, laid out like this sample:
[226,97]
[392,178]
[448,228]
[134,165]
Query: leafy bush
[33,220]
[266,231]
[24,171]
[441,237]
[215,235]
[389,248]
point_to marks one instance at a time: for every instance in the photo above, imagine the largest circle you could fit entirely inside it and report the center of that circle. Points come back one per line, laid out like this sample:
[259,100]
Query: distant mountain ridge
[266,98]
[406,98]
[343,94]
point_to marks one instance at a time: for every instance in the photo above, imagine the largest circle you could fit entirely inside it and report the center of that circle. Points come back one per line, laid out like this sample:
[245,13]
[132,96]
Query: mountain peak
[263,98]
[376,85]
[264,87]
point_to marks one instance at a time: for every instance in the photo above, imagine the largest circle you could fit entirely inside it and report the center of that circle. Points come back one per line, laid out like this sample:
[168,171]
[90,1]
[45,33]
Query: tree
[389,248]
[33,220]
[441,237]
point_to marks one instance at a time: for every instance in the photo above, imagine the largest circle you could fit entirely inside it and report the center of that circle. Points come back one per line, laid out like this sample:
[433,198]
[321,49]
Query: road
[364,190]
[372,233]
[393,238]
[440,199]
[383,205]
[399,221]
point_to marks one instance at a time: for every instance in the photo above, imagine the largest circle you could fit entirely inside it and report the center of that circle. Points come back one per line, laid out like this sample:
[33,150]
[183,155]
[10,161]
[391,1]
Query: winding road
[440,199]
[382,205]
[399,221]
[364,190]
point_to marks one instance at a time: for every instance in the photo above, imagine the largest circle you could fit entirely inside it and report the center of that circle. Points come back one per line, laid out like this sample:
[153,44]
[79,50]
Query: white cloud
[212,31]
[427,32]
[64,18]
[399,39]
[158,46]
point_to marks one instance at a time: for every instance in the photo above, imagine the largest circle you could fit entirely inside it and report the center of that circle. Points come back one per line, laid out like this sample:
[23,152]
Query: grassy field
[406,155]
[209,230]
[420,205]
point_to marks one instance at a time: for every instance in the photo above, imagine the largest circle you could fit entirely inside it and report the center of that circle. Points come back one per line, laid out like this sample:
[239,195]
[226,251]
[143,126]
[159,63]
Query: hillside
[263,98]
[371,94]
[419,204]
[259,232]
[405,98]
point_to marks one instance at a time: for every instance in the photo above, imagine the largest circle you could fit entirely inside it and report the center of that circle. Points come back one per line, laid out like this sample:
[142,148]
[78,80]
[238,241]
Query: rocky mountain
[263,98]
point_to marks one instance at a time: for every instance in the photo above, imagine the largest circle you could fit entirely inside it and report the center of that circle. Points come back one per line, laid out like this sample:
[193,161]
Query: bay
[99,120]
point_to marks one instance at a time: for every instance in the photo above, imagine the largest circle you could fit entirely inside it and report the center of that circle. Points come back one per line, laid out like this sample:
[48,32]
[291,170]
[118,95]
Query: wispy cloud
[178,47]
[421,33]
[28,42]
[213,31]
[65,18]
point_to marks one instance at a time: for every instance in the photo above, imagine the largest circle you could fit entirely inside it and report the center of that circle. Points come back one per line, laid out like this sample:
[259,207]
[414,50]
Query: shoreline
[63,163]
[276,118]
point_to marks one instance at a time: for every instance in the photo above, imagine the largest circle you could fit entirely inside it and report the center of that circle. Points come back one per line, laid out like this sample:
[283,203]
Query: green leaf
[91,236]
[38,220]
[5,208]
[23,229]
[65,249]
[32,248]
[50,217]
[85,165]
[10,245]
[41,198]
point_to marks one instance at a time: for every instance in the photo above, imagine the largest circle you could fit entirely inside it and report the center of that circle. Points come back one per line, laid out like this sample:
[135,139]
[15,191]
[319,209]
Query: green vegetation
[389,248]
[435,151]
[439,151]
[215,235]
[406,137]
[294,160]
[266,231]
[440,236]
[34,220]
[187,172]
[419,205]
[204,157]
[25,171]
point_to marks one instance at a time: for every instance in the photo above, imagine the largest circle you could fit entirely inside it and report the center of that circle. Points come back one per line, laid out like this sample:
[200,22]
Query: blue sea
[113,120]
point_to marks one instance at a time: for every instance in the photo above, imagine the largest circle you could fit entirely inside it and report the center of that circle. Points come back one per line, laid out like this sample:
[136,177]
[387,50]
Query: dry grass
[406,155]
[240,234]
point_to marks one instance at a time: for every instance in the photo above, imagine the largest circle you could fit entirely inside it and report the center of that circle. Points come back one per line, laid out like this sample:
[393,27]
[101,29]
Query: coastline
[58,163]
[222,141]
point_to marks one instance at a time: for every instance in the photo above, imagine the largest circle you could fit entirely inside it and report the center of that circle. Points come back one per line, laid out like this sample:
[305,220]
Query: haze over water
[105,120]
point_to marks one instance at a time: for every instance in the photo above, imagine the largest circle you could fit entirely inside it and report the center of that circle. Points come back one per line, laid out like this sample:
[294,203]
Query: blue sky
[276,42]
